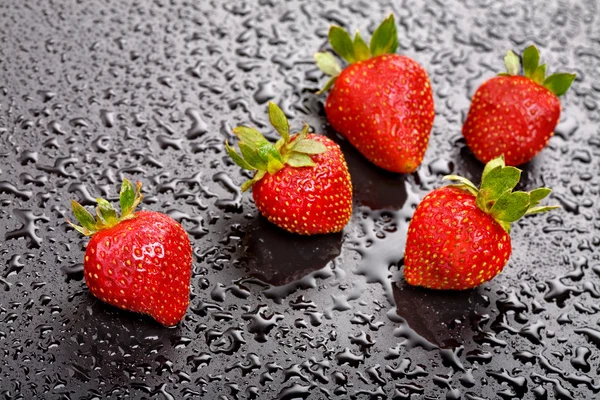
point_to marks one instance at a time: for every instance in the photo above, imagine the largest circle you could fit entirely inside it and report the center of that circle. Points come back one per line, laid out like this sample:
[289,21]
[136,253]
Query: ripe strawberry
[382,102]
[513,115]
[139,261]
[459,236]
[301,183]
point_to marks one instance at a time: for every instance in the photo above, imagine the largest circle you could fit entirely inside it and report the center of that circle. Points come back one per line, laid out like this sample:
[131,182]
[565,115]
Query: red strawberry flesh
[308,200]
[452,243]
[511,116]
[384,107]
[142,264]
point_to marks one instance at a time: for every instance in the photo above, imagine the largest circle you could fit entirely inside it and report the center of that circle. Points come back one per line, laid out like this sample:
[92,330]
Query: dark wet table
[91,92]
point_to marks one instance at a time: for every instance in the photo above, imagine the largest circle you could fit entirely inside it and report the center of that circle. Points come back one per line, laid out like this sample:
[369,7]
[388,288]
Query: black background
[91,92]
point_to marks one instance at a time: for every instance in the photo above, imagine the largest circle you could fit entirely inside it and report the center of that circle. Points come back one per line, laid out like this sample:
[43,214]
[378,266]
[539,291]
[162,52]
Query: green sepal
[511,60]
[279,121]
[385,38]
[303,133]
[541,209]
[538,195]
[279,144]
[327,63]
[106,215]
[267,150]
[81,229]
[493,164]
[273,165]
[510,207]
[341,43]
[84,217]
[308,146]
[107,212]
[251,156]
[328,85]
[129,198]
[298,160]
[464,183]
[496,197]
[361,49]
[559,83]
[239,160]
[257,177]
[248,184]
[126,196]
[383,41]
[249,135]
[531,60]
[539,75]
[257,153]
[496,183]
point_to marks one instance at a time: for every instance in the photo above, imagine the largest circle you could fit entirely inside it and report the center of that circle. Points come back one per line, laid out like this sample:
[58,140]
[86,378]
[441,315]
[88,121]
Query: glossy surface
[93,92]
[308,200]
[384,107]
[143,265]
[452,244]
[510,115]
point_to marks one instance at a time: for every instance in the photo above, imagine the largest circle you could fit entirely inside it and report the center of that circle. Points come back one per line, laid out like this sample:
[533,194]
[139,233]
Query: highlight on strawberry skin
[138,261]
[515,115]
[382,102]
[300,183]
[459,236]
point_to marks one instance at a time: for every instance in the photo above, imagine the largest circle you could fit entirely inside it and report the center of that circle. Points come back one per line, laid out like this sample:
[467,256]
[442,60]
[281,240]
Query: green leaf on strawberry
[342,43]
[106,215]
[383,41]
[385,38]
[496,197]
[531,60]
[328,63]
[558,83]
[511,60]
[265,157]
[279,121]
[361,50]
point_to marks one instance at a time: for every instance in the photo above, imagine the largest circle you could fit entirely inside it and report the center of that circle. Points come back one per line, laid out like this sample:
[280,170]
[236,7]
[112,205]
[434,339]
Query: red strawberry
[382,102]
[139,261]
[459,236]
[513,115]
[301,183]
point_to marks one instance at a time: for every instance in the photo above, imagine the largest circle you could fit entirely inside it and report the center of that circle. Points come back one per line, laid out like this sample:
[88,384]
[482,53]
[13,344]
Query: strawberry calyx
[496,197]
[383,41]
[106,215]
[557,83]
[262,156]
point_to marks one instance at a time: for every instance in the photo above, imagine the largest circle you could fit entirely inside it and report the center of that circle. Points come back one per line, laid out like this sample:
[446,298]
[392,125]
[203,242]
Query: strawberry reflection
[373,187]
[442,317]
[278,257]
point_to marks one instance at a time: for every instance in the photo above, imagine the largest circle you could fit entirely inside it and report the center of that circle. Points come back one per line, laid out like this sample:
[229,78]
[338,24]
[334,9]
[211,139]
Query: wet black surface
[92,93]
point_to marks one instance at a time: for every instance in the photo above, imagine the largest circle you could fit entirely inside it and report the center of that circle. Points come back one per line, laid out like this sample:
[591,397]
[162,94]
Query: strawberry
[459,236]
[301,183]
[382,102]
[514,115]
[140,261]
